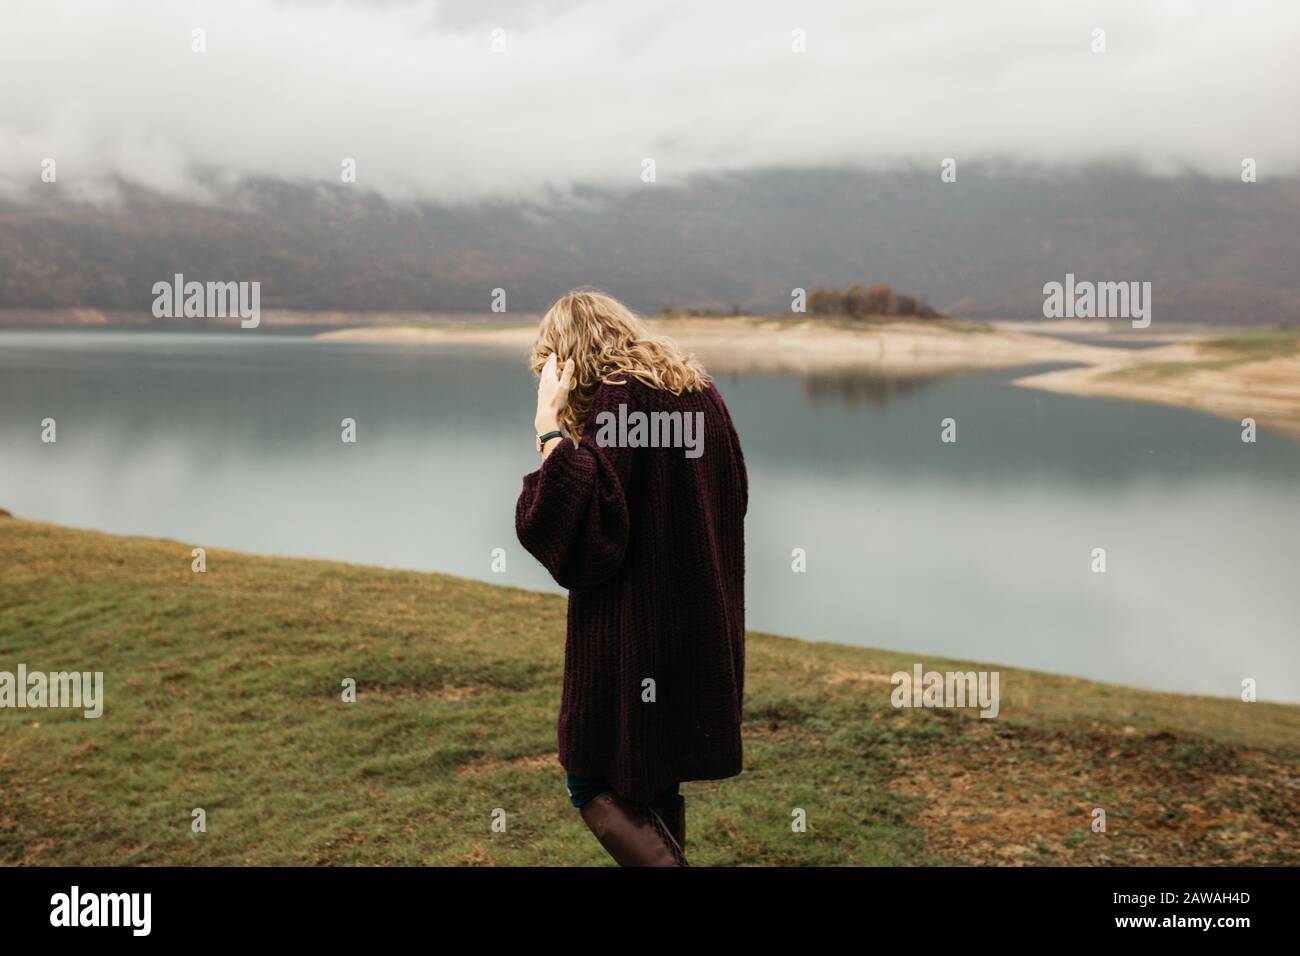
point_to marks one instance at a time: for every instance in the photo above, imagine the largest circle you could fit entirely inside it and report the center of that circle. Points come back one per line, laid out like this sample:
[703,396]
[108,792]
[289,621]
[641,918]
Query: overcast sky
[584,91]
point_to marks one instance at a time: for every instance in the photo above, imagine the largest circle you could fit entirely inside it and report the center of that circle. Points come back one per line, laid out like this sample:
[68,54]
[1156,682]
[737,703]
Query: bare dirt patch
[1026,797]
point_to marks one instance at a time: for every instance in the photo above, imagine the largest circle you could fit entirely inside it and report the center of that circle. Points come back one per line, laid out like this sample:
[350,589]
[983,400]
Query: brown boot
[672,810]
[633,834]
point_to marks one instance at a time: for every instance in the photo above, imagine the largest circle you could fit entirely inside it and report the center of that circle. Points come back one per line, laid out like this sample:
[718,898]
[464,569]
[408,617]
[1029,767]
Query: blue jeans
[582,790]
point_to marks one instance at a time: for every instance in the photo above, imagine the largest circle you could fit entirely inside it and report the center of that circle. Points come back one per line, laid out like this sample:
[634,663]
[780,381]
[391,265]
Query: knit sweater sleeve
[572,514]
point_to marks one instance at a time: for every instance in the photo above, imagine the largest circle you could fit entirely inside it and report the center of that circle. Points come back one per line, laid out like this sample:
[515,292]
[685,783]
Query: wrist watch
[543,439]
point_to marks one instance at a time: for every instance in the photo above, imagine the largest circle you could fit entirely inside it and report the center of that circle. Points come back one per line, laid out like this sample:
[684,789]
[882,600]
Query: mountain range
[1216,251]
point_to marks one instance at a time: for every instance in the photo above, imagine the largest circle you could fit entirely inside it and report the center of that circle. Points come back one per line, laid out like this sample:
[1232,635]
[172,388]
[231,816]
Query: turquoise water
[979,549]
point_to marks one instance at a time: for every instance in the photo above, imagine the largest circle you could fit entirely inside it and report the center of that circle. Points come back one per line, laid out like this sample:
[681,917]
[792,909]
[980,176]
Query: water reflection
[978,549]
[855,388]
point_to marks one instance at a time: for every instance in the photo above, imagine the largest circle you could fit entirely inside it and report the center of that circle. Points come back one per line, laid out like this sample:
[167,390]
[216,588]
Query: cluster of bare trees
[859,302]
[856,301]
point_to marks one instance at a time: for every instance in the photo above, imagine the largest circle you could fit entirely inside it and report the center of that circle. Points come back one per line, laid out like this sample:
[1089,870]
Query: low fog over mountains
[1215,250]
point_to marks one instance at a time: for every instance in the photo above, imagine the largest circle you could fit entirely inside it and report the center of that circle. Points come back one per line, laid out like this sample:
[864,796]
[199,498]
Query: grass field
[223,692]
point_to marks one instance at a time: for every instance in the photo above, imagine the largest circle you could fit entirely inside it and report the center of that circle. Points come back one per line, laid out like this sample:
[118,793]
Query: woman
[638,510]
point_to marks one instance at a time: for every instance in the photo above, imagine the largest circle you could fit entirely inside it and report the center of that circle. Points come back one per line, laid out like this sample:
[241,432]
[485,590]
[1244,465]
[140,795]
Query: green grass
[1256,345]
[223,692]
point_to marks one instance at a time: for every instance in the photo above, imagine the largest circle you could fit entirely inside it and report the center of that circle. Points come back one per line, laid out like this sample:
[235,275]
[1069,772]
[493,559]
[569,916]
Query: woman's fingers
[553,389]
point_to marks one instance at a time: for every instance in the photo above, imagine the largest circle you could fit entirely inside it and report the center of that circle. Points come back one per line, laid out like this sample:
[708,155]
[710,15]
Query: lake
[981,549]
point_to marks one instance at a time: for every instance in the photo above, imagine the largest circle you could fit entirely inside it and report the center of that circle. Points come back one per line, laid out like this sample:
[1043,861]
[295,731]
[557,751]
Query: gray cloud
[585,90]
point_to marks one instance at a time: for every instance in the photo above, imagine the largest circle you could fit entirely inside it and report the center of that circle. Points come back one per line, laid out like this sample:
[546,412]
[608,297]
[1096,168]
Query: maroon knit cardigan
[651,546]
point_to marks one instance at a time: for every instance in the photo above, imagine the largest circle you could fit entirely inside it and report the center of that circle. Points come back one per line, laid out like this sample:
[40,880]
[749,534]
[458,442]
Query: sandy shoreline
[1267,391]
[1233,374]
[1112,361]
[746,344]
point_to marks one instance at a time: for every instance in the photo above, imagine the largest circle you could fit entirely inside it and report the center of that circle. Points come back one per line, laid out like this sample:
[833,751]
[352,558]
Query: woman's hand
[552,395]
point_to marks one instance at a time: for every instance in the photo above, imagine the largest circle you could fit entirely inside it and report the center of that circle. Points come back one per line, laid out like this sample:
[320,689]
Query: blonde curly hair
[607,343]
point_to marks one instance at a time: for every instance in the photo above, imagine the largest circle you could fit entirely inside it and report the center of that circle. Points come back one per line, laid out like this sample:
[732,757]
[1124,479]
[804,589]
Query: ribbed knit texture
[650,544]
